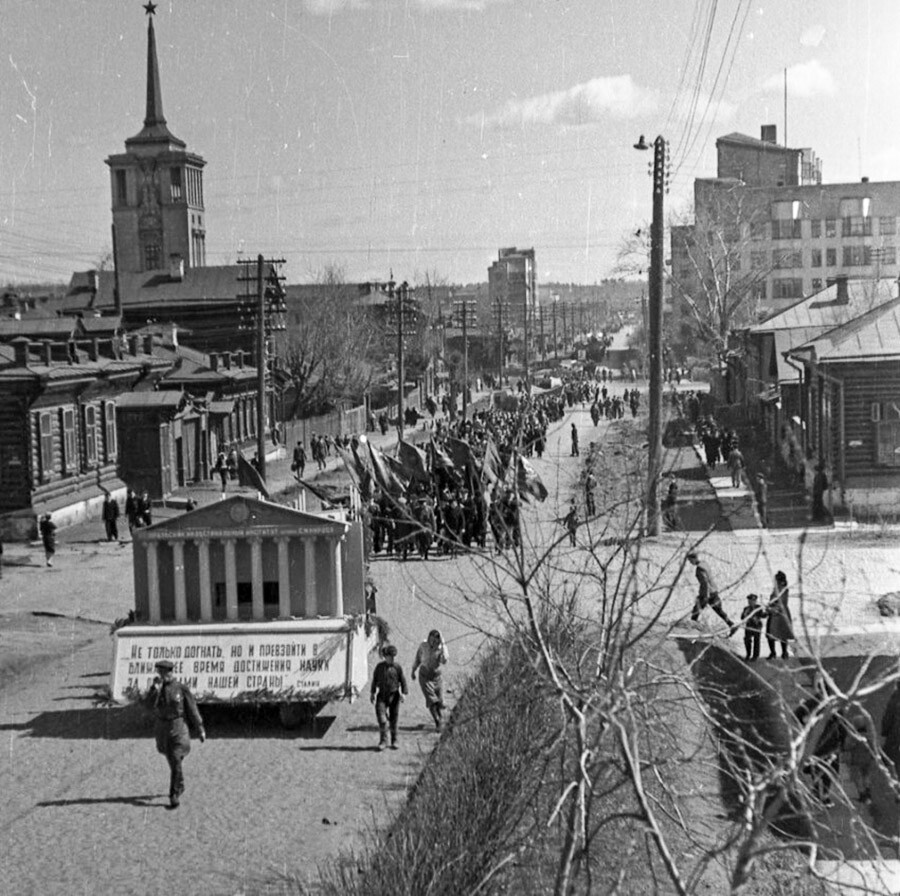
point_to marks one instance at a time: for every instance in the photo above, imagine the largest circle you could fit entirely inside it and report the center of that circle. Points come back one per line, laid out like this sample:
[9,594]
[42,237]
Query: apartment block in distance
[767,229]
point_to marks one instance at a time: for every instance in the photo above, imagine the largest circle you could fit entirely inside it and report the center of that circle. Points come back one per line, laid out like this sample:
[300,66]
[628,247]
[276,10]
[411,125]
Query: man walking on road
[177,717]
[708,595]
[574,441]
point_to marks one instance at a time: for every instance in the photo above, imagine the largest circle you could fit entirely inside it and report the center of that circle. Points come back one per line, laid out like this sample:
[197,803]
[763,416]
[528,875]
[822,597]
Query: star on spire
[150,7]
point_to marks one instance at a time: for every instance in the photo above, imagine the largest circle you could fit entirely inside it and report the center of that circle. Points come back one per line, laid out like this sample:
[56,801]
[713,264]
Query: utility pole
[268,300]
[402,295]
[555,339]
[499,342]
[654,431]
[464,311]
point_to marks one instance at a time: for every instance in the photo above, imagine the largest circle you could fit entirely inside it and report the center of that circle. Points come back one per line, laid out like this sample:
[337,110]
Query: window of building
[888,254]
[887,226]
[831,258]
[856,226]
[175,182]
[758,289]
[787,288]
[787,260]
[90,435]
[45,436]
[786,230]
[758,260]
[109,413]
[817,284]
[152,256]
[815,228]
[758,230]
[121,188]
[70,449]
[815,258]
[857,256]
[830,227]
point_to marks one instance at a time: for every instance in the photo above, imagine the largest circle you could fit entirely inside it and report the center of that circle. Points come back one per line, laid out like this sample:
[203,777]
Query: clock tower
[157,190]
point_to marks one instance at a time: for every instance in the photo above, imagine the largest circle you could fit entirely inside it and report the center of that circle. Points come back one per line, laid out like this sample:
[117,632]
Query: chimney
[20,347]
[226,360]
[176,267]
[840,281]
[239,358]
[173,335]
[865,180]
[47,352]
[214,361]
[94,349]
[133,342]
[768,133]
[148,345]
[94,281]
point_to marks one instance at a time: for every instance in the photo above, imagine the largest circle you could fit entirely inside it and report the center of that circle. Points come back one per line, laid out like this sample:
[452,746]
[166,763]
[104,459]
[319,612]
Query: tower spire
[154,115]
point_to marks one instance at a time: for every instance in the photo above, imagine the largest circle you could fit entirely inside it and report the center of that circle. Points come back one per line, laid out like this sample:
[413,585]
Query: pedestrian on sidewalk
[388,692]
[735,465]
[177,718]
[431,655]
[752,619]
[222,469]
[298,465]
[131,509]
[779,625]
[48,537]
[570,521]
[762,499]
[574,441]
[671,520]
[111,517]
[590,483]
[708,595]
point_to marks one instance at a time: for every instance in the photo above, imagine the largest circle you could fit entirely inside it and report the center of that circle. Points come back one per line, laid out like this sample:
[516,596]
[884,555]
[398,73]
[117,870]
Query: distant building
[767,231]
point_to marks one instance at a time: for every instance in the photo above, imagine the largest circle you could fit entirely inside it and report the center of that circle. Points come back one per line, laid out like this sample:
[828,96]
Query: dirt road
[85,793]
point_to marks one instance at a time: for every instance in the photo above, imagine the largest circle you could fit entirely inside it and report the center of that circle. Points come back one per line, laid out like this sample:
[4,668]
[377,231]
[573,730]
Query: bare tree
[330,353]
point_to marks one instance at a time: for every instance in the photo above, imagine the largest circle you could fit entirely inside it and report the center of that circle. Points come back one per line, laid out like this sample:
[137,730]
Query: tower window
[151,257]
[121,188]
[175,180]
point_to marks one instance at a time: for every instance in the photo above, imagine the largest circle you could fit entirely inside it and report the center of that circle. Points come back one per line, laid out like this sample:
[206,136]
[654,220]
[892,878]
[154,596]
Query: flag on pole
[492,465]
[384,475]
[249,476]
[440,459]
[528,480]
[413,462]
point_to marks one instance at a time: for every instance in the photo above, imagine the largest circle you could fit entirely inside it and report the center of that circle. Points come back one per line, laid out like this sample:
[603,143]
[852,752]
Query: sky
[417,137]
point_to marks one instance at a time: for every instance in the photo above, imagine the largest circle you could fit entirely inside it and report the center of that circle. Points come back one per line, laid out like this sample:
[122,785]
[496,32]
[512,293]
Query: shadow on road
[129,722]
[140,801]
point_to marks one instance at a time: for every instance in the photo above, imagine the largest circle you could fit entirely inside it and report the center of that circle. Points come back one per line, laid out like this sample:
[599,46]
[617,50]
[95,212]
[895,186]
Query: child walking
[752,618]
[388,691]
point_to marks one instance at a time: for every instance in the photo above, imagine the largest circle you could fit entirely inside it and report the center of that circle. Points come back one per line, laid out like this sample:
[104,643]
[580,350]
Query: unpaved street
[85,793]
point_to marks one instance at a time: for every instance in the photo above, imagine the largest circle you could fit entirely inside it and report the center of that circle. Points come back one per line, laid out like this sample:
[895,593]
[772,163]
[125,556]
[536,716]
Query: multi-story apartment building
[512,286]
[767,231]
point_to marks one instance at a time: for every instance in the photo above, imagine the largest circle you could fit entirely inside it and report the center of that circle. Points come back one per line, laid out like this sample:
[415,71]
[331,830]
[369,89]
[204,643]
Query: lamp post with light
[654,429]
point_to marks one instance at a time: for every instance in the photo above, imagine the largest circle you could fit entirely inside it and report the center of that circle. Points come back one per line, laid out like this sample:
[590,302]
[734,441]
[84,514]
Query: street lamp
[654,429]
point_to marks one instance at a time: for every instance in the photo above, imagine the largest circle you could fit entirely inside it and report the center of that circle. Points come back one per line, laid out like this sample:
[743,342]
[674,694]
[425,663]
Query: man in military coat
[177,717]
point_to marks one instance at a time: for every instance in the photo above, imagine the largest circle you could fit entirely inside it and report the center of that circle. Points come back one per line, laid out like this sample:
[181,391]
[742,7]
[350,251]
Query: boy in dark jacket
[752,618]
[388,690]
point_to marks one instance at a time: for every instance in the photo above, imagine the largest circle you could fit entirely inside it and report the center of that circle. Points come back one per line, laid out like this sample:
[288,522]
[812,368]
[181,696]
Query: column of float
[284,578]
[178,576]
[256,578]
[337,579]
[206,611]
[309,569]
[153,581]
[231,599]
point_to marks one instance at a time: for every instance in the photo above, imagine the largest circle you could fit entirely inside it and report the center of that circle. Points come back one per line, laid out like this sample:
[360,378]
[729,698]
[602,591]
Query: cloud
[593,101]
[331,7]
[804,80]
[812,36]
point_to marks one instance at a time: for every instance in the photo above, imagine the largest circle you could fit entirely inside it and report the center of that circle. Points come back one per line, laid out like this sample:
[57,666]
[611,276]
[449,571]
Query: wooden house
[850,408]
[59,440]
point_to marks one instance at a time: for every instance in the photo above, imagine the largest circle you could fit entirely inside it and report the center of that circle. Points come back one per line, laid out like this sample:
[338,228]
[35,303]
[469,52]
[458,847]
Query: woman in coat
[779,625]
[431,655]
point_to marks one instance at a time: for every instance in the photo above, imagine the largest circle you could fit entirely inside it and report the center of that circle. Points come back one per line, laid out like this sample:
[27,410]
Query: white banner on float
[239,664]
